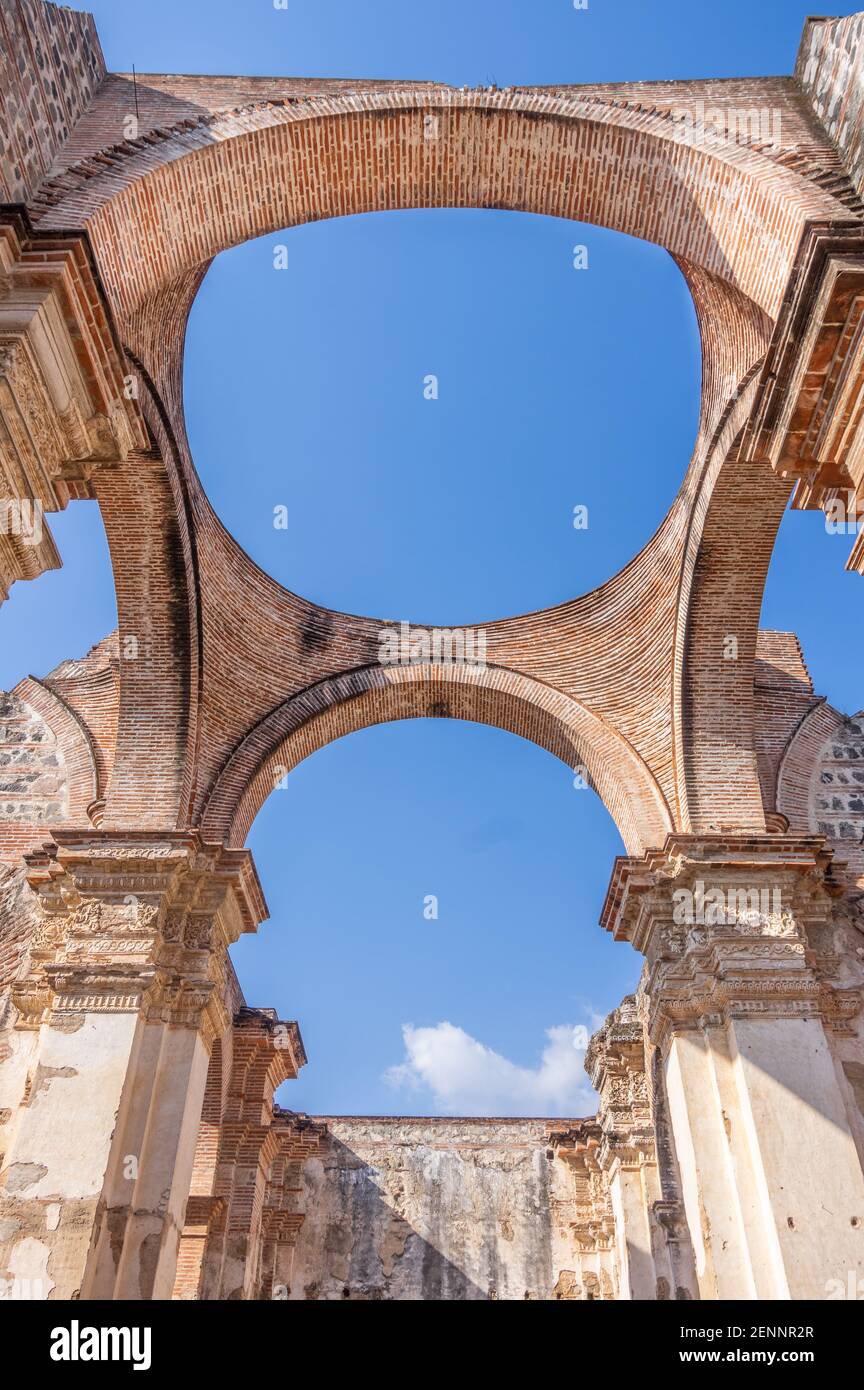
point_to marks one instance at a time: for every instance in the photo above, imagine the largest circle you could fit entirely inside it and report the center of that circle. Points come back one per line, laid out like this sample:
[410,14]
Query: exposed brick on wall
[57,749]
[50,66]
[17,920]
[74,744]
[630,679]
[33,775]
[830,69]
[90,687]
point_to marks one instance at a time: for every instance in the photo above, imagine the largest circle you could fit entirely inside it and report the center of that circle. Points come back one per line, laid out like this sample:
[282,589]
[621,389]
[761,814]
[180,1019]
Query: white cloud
[464,1077]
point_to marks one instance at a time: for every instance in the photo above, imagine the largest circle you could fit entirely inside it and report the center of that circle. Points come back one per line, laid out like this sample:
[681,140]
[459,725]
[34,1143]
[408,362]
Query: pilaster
[126,988]
[743,1009]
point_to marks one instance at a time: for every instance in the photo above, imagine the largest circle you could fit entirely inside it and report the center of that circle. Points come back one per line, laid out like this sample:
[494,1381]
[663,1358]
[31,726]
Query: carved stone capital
[137,922]
[727,927]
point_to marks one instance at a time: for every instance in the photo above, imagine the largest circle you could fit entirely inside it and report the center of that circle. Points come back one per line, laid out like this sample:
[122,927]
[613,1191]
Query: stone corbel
[615,1062]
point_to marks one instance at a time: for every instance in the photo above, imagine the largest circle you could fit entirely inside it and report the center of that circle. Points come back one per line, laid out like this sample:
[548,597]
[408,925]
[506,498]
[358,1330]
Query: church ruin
[141,1153]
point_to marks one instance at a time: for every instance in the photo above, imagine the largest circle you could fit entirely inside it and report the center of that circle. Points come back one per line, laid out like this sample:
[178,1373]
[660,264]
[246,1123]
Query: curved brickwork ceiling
[734,333]
[225,656]
[611,650]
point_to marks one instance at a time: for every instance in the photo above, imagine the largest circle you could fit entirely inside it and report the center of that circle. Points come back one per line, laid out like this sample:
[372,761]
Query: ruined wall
[436,1209]
[50,65]
[830,68]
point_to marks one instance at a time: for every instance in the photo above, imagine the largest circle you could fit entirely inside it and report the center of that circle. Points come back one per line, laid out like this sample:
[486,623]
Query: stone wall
[830,71]
[50,66]
[436,1209]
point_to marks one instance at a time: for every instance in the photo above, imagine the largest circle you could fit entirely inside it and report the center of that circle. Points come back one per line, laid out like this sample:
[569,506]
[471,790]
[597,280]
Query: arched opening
[434,889]
[808,591]
[432,414]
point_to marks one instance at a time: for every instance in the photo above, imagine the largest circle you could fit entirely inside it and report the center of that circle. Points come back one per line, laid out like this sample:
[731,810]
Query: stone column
[739,995]
[615,1062]
[297,1137]
[114,1019]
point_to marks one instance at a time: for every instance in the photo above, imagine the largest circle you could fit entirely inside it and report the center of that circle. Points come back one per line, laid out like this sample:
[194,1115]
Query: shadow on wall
[427,1210]
[355,1244]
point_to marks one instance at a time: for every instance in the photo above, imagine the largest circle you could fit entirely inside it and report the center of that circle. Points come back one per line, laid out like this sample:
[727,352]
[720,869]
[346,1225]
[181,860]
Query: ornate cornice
[731,927]
[137,922]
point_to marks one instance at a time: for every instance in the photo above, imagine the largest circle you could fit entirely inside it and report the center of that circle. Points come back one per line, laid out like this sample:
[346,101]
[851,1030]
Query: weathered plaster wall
[436,1209]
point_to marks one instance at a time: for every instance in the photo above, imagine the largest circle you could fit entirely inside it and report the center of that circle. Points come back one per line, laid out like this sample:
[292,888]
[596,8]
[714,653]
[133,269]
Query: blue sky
[557,387]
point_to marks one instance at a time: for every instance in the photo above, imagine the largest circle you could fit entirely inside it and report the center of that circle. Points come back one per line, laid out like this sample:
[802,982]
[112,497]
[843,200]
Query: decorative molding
[137,923]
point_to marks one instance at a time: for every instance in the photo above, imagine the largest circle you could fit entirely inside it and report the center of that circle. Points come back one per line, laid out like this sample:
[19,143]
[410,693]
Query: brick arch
[159,206]
[489,695]
[158,209]
[74,746]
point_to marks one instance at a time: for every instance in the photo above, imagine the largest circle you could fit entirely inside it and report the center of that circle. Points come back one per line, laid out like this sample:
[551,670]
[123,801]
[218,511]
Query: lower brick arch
[488,695]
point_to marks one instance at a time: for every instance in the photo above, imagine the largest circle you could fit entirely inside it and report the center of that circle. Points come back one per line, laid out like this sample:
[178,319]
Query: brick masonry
[129,780]
[629,681]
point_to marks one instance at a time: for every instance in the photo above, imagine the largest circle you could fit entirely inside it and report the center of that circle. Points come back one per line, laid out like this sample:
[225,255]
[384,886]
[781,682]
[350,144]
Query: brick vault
[142,1154]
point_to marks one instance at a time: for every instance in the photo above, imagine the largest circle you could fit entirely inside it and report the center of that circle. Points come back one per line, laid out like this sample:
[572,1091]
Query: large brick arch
[217,161]
[487,695]
[176,197]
